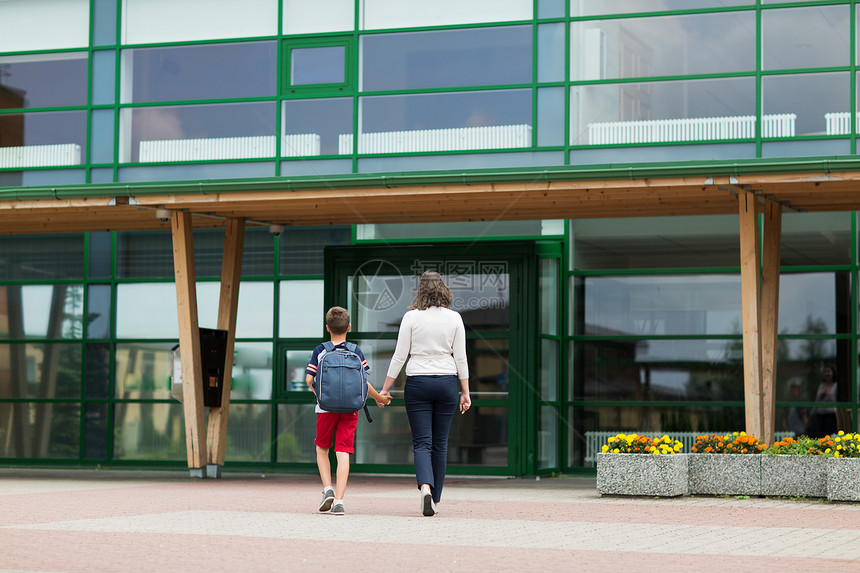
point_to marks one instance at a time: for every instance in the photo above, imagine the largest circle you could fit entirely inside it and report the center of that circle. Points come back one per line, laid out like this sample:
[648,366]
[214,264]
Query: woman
[432,336]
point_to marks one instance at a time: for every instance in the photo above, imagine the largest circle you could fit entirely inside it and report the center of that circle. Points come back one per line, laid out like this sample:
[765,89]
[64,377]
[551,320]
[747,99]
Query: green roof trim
[475,177]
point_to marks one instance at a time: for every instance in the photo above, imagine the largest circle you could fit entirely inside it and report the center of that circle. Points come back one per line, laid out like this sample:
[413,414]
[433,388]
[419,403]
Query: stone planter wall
[843,479]
[794,476]
[725,474]
[642,474]
[837,479]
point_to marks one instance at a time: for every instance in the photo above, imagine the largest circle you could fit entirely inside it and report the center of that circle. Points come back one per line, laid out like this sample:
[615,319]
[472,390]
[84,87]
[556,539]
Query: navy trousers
[431,402]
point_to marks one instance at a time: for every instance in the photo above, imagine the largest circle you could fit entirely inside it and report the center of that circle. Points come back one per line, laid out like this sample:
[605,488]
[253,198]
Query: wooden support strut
[751,313]
[189,339]
[760,302]
[769,316]
[231,272]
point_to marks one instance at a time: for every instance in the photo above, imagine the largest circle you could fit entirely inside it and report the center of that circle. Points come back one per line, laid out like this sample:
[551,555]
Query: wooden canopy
[235,204]
[122,208]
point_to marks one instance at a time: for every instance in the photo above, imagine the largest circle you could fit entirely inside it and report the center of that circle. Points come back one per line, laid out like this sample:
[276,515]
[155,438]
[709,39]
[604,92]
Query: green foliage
[802,446]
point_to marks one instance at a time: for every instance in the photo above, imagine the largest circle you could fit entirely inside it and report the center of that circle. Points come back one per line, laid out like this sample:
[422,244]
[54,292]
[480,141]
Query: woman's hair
[432,291]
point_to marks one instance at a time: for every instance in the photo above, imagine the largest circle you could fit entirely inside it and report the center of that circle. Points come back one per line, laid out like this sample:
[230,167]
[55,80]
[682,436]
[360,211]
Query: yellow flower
[841,433]
[616,451]
[605,448]
[827,451]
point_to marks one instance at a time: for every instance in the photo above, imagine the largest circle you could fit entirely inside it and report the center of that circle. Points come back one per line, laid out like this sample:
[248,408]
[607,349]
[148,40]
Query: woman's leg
[444,408]
[419,410]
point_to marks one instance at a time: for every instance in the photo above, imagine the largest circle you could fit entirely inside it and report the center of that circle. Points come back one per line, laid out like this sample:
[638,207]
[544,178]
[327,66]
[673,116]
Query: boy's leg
[342,474]
[344,446]
[325,428]
[324,467]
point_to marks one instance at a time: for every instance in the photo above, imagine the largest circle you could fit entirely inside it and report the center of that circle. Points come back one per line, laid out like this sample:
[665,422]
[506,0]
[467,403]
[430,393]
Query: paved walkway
[116,521]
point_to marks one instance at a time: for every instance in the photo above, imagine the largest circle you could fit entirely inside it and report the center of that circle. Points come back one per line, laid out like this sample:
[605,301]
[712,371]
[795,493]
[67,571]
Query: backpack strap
[328,346]
[351,346]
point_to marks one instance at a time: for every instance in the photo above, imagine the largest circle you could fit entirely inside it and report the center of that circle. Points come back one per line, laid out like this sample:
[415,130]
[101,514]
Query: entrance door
[493,289]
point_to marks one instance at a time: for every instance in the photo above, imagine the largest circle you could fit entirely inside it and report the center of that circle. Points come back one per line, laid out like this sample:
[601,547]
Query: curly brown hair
[432,291]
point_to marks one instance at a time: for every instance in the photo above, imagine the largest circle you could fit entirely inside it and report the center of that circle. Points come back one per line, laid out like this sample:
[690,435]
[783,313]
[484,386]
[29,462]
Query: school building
[646,210]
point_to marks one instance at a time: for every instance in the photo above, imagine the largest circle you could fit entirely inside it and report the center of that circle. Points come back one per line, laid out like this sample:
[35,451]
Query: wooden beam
[751,308]
[228,304]
[189,339]
[769,315]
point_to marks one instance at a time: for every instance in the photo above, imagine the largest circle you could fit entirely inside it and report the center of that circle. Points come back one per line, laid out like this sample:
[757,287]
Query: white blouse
[434,340]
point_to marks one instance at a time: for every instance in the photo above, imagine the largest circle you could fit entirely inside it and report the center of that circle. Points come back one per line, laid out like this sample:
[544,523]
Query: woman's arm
[401,352]
[465,398]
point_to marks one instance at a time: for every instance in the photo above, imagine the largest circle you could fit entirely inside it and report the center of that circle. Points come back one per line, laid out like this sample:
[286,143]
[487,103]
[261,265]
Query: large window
[209,71]
[446,58]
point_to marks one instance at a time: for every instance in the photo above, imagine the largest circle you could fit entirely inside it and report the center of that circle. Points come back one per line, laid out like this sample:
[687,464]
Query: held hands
[386,399]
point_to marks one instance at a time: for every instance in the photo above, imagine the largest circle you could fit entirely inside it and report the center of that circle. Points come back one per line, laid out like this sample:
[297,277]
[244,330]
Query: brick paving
[77,520]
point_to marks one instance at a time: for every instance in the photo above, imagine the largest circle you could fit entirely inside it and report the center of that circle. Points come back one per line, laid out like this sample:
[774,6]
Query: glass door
[493,287]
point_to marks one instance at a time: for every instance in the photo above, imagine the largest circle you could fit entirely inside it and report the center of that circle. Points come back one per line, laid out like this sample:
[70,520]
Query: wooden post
[189,340]
[751,308]
[231,272]
[769,316]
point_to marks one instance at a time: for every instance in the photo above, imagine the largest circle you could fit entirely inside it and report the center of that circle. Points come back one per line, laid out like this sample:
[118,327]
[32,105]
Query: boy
[343,425]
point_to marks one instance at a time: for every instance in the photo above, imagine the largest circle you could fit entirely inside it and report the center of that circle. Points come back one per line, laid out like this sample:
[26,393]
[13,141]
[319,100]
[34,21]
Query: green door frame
[341,262]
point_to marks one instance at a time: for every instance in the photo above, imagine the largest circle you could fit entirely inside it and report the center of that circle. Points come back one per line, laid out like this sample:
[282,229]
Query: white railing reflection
[450,139]
[213,148]
[839,123]
[689,129]
[40,155]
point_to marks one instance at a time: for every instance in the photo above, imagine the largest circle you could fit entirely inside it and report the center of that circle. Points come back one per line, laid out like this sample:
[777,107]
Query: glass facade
[635,324]
[608,83]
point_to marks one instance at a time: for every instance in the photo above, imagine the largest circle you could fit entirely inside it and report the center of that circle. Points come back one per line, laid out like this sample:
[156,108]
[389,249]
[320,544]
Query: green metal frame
[351,39]
[341,263]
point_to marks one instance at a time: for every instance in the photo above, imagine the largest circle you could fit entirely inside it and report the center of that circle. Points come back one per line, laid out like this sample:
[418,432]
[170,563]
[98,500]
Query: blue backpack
[341,382]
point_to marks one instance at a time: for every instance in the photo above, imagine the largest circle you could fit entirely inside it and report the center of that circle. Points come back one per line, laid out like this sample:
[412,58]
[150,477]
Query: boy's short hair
[337,320]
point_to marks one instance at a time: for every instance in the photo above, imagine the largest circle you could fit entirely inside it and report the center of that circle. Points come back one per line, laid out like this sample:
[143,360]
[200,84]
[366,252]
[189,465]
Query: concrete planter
[843,479]
[725,474]
[642,474]
[794,476]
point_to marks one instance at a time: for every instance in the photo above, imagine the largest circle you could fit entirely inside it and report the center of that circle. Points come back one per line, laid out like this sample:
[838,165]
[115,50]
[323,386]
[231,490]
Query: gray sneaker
[327,499]
[337,509]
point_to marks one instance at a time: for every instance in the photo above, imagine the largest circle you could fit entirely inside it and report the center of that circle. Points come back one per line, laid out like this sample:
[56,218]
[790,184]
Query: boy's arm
[377,396]
[309,380]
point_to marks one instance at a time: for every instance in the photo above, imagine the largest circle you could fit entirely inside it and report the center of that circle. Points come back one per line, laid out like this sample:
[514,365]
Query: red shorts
[342,425]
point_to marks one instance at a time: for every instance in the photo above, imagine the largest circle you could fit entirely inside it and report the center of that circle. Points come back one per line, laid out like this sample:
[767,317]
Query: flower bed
[637,465]
[843,469]
[642,474]
[726,465]
[796,467]
[843,479]
[725,474]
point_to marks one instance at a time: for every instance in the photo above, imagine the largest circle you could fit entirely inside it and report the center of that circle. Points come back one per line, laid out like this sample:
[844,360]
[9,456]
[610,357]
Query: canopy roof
[621,192]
